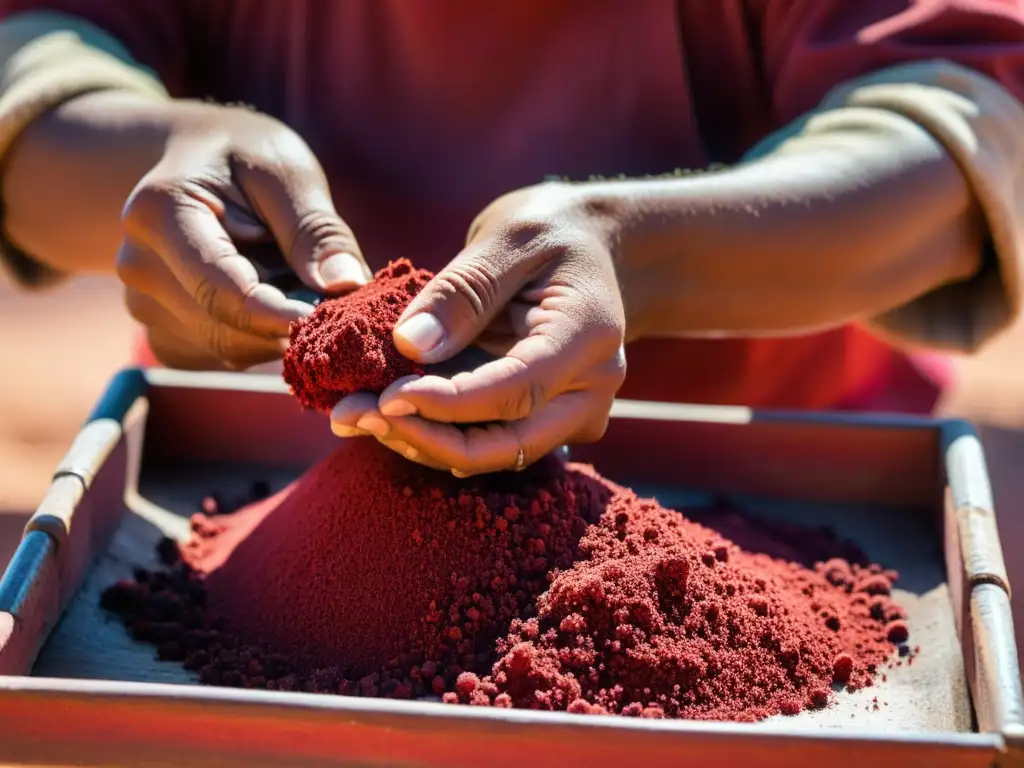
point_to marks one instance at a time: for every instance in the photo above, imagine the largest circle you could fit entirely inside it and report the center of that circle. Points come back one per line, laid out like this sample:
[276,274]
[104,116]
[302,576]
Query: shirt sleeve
[54,50]
[952,67]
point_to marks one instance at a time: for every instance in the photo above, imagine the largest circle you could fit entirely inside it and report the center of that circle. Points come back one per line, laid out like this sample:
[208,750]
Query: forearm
[820,233]
[69,173]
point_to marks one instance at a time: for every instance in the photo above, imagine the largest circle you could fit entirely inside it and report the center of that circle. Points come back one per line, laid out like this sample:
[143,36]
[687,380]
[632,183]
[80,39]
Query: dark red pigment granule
[549,589]
[662,617]
[346,346]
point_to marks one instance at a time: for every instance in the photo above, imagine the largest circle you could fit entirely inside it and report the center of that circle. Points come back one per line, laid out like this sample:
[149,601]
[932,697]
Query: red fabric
[423,112]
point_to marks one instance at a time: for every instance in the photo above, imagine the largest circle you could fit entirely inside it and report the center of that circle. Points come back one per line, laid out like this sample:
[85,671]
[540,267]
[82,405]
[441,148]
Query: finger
[407,451]
[495,447]
[175,352]
[184,229]
[293,197]
[241,225]
[233,350]
[356,408]
[349,410]
[510,388]
[146,276]
[506,389]
[461,301]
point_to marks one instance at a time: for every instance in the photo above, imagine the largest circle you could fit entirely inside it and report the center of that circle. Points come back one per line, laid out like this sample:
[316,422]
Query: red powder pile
[369,561]
[345,345]
[369,574]
[549,589]
[663,617]
[546,589]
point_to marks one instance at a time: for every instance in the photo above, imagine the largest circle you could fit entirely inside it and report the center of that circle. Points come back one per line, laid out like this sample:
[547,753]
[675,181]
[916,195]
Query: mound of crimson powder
[346,346]
[661,617]
[549,589]
[369,574]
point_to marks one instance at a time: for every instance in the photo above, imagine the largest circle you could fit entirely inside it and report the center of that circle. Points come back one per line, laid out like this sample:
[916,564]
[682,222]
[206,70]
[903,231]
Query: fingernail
[374,425]
[403,448]
[397,407]
[300,309]
[342,269]
[460,475]
[343,430]
[422,331]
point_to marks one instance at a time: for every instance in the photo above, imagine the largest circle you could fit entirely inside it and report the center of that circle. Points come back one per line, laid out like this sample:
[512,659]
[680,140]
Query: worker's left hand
[535,285]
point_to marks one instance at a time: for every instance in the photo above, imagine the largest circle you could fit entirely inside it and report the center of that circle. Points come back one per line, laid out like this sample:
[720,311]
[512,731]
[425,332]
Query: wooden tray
[75,690]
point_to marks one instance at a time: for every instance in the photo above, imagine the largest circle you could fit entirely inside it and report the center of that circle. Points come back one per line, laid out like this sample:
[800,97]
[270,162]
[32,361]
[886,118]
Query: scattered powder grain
[345,345]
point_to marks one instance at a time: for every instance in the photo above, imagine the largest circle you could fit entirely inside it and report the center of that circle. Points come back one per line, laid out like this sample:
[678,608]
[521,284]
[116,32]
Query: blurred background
[57,349]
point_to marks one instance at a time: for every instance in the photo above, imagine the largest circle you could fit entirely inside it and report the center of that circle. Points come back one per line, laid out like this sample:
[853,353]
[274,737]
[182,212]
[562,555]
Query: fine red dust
[662,617]
[550,589]
[345,345]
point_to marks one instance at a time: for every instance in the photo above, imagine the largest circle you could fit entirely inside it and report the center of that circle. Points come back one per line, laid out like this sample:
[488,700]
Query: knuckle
[216,337]
[526,394]
[607,335]
[205,294]
[173,351]
[595,428]
[221,292]
[147,204]
[593,432]
[240,315]
[528,232]
[474,285]
[139,307]
[319,230]
[536,395]
[221,306]
[515,406]
[234,350]
[129,266]
[617,367]
[542,236]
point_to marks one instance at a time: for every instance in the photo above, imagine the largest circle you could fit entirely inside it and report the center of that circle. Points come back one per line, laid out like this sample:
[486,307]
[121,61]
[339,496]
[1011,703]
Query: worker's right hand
[231,183]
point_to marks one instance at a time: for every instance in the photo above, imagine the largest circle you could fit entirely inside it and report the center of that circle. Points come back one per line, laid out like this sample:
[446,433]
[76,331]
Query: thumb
[316,242]
[458,304]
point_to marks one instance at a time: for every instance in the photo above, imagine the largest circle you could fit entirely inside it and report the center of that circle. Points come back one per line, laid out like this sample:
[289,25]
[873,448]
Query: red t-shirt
[423,111]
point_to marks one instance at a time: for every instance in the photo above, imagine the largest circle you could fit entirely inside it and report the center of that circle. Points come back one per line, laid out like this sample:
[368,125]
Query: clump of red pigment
[550,589]
[369,574]
[662,617]
[346,346]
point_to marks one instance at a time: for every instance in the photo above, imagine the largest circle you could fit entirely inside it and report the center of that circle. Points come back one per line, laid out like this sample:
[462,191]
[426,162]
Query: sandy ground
[58,349]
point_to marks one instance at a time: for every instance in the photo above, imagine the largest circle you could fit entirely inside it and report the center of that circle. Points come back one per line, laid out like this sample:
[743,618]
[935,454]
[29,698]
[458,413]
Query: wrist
[83,157]
[652,228]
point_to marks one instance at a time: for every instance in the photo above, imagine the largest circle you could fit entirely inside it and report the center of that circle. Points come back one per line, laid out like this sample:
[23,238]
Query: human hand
[536,285]
[236,198]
